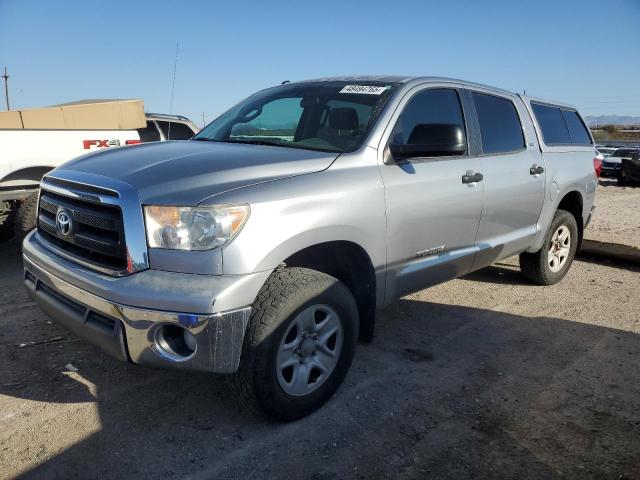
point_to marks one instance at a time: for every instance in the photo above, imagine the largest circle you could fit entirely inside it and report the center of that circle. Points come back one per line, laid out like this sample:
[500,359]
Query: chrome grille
[96,233]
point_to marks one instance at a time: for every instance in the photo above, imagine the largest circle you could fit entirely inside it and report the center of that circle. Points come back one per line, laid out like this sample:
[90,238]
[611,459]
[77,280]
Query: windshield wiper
[259,142]
[265,142]
[248,142]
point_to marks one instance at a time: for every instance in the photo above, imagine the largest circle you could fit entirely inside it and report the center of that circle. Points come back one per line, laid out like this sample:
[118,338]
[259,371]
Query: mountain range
[611,120]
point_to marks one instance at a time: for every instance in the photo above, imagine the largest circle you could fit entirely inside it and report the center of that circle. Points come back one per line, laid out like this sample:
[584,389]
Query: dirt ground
[482,377]
[617,217]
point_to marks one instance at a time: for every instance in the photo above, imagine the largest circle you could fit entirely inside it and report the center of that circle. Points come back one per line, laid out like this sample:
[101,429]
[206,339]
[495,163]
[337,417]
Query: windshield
[327,116]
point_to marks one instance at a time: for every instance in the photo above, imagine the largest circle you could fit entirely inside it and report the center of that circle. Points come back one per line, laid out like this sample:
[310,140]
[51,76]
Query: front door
[432,216]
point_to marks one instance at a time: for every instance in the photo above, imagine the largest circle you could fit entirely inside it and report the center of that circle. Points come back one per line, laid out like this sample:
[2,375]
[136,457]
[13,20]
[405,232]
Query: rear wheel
[299,344]
[550,264]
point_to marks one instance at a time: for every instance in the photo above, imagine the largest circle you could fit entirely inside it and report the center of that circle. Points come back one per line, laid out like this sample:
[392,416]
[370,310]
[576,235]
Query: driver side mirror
[431,140]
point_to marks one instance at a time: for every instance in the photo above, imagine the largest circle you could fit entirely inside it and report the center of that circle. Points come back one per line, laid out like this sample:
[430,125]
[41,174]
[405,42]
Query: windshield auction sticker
[363,89]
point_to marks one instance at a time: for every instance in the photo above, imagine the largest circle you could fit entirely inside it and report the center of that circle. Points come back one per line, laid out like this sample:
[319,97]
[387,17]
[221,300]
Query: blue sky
[580,51]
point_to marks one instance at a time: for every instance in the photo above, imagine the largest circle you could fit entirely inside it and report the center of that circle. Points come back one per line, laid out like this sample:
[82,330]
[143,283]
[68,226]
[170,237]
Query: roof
[92,100]
[166,116]
[426,79]
[403,79]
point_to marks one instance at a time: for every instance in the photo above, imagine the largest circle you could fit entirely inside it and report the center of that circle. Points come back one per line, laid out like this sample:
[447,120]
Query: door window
[500,127]
[431,107]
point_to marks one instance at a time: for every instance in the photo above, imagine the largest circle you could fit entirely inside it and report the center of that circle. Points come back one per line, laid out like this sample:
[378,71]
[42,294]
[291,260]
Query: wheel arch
[28,174]
[350,263]
[573,203]
[572,199]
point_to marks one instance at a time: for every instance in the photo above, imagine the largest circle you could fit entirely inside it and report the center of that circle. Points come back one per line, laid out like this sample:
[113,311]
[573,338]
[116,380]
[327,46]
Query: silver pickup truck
[264,246]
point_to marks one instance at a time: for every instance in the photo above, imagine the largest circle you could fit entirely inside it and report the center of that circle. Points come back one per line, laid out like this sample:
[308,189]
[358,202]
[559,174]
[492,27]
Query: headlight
[193,228]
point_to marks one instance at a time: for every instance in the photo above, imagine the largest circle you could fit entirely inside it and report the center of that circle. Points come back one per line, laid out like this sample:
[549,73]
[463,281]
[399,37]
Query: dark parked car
[630,170]
[612,164]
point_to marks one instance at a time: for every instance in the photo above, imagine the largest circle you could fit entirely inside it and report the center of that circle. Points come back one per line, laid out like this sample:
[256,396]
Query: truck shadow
[498,273]
[443,391]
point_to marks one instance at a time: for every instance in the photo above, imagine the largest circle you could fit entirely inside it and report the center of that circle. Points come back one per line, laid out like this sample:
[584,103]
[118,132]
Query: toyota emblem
[63,222]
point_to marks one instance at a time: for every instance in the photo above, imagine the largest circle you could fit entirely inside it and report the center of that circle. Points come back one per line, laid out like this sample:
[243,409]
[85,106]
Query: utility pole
[6,87]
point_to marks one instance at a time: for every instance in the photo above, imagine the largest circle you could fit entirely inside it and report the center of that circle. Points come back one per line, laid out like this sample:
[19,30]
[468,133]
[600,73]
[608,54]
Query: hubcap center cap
[307,347]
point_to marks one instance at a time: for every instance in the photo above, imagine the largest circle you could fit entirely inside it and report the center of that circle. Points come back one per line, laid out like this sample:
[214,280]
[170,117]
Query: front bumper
[128,330]
[610,169]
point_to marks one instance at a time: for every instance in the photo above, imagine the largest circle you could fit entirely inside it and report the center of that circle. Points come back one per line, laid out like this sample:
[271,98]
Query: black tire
[535,266]
[25,219]
[288,292]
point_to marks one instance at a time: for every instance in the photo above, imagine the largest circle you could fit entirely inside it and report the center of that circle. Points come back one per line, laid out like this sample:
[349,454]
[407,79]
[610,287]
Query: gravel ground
[482,377]
[617,216]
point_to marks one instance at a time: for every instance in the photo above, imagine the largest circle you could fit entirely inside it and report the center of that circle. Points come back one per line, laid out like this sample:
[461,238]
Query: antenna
[173,87]
[6,87]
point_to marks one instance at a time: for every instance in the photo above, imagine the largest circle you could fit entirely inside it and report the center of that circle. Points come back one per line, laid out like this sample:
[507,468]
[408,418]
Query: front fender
[295,213]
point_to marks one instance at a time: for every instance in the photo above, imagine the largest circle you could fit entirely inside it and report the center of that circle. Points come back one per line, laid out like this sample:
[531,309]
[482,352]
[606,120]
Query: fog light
[175,342]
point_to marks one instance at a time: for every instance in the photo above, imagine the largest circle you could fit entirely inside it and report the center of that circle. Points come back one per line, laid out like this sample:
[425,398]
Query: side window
[175,131]
[554,129]
[500,128]
[150,133]
[426,119]
[577,130]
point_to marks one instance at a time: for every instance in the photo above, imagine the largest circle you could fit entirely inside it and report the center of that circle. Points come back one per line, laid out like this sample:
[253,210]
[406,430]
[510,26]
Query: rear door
[514,176]
[432,215]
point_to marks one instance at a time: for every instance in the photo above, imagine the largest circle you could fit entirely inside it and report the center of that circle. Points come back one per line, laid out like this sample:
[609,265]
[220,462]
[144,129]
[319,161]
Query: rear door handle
[471,177]
[536,170]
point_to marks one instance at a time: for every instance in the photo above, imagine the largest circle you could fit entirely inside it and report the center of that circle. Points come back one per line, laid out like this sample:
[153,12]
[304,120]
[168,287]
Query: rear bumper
[129,331]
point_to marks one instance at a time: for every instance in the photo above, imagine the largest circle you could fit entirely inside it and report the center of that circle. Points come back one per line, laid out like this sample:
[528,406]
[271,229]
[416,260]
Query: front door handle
[535,170]
[471,177]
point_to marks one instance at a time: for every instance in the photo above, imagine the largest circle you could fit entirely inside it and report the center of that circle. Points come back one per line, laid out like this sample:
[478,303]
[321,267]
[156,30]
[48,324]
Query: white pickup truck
[34,142]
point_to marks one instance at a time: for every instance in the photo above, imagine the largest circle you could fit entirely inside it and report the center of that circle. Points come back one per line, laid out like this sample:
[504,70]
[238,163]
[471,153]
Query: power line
[173,87]
[6,87]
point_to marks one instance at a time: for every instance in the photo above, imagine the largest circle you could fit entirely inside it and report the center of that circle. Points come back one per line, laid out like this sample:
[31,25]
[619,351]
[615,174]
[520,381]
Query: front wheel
[299,344]
[550,264]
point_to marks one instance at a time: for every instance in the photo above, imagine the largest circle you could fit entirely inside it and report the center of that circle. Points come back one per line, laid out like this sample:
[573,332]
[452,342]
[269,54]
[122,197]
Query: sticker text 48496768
[363,89]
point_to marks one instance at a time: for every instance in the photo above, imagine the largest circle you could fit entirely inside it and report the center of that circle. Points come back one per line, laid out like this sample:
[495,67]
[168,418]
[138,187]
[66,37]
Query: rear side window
[150,133]
[577,130]
[554,129]
[429,107]
[175,131]
[500,128]
[560,126]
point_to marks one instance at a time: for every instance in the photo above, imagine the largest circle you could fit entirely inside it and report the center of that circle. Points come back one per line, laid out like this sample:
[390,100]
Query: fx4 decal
[100,143]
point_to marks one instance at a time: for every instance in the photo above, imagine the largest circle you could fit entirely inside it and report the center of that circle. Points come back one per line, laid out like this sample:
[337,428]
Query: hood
[187,172]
